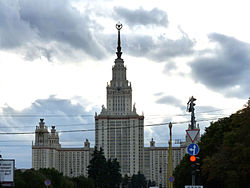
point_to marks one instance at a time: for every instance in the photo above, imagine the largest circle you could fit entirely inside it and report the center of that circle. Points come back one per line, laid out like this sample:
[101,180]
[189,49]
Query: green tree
[29,179]
[56,178]
[224,153]
[114,176]
[106,174]
[182,173]
[35,178]
[230,166]
[125,181]
[97,168]
[81,181]
[138,180]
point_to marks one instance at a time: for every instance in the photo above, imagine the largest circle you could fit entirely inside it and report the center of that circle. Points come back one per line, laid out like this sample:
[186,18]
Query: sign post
[193,149]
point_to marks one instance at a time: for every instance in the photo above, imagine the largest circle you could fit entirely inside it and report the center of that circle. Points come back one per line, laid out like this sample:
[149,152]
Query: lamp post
[170,160]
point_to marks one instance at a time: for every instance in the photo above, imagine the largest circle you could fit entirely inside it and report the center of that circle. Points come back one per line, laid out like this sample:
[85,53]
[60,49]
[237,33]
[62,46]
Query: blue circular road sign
[193,149]
[47,182]
[171,178]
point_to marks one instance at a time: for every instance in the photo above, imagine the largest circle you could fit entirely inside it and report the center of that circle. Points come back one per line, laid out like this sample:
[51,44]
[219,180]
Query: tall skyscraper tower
[119,129]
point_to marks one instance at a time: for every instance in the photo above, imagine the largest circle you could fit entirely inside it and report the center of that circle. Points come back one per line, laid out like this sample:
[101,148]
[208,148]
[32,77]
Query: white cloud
[51,48]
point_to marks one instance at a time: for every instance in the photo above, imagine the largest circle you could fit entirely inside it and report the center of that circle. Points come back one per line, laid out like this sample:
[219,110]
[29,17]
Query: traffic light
[197,164]
[192,158]
[194,162]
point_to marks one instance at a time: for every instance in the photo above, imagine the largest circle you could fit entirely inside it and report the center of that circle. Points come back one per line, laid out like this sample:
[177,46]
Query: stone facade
[48,153]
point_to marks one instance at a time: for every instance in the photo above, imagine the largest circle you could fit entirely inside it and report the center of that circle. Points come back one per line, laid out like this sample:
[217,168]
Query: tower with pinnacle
[119,129]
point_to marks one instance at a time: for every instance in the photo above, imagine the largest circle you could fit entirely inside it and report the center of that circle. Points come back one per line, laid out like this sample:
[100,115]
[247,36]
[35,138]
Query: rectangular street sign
[7,167]
[193,186]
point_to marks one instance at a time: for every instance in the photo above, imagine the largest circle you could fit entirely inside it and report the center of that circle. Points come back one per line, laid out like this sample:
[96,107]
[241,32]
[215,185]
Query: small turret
[53,130]
[87,144]
[41,134]
[152,143]
[54,138]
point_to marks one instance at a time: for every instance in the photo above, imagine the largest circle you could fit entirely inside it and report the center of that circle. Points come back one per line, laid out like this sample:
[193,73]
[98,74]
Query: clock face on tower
[118,88]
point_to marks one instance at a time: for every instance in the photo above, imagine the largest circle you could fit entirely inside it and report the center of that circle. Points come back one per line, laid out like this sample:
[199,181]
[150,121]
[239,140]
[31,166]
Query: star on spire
[119,53]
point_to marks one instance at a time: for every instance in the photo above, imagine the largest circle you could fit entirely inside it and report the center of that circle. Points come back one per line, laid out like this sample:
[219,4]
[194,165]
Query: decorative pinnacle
[119,53]
[118,26]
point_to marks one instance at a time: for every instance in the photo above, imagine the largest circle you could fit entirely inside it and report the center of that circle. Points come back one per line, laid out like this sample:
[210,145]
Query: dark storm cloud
[169,100]
[160,49]
[226,68]
[157,49]
[54,29]
[51,25]
[59,112]
[14,31]
[142,17]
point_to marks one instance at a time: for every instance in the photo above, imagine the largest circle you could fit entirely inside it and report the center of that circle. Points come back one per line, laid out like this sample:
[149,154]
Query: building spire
[119,53]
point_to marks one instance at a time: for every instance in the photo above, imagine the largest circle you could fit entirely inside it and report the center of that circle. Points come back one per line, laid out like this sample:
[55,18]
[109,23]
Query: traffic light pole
[193,177]
[190,108]
[193,159]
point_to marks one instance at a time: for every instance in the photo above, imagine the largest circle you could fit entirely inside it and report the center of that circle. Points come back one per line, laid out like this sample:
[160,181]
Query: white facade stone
[119,129]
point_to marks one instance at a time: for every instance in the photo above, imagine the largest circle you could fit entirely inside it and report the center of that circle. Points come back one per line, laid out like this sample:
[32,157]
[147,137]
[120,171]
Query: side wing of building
[156,162]
[48,153]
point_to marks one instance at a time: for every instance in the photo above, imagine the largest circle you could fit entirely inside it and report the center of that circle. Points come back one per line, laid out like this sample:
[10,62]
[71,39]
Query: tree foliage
[113,174]
[29,179]
[35,178]
[138,181]
[82,182]
[105,173]
[224,153]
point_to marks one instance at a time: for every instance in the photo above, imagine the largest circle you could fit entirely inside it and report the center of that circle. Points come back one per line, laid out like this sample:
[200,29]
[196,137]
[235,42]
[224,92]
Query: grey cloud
[51,25]
[14,31]
[205,109]
[226,68]
[49,109]
[158,94]
[160,49]
[170,66]
[142,17]
[169,100]
[54,29]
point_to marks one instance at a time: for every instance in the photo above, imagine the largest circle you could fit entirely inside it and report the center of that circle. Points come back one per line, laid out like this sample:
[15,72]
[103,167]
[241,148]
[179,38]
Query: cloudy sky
[56,59]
